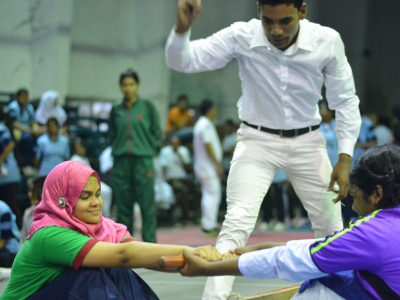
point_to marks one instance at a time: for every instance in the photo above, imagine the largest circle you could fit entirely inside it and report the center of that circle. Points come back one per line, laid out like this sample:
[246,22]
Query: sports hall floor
[170,286]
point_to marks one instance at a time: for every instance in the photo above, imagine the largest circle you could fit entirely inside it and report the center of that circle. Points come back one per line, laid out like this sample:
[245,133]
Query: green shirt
[135,130]
[44,257]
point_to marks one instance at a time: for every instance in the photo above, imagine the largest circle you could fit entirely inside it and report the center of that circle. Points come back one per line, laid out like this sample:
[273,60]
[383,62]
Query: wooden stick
[166,262]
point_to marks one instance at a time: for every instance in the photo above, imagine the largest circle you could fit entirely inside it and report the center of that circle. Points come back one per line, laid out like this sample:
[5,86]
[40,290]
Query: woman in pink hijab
[73,251]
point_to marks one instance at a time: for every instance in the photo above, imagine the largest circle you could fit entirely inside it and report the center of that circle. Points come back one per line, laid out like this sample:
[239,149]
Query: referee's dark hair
[205,106]
[296,3]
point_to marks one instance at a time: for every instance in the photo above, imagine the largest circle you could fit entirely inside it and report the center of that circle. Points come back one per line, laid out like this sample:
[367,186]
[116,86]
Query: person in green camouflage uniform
[135,135]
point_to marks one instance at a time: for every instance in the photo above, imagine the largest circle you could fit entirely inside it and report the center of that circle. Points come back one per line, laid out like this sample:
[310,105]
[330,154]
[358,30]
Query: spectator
[9,171]
[135,136]
[35,195]
[106,162]
[382,131]
[366,137]
[49,107]
[207,166]
[396,123]
[327,128]
[22,115]
[52,148]
[229,144]
[79,154]
[176,162]
[272,208]
[178,116]
[9,236]
[164,197]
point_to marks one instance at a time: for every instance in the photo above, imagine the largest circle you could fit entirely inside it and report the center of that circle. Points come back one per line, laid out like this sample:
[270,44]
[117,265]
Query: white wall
[80,47]
[110,36]
[15,54]
[382,57]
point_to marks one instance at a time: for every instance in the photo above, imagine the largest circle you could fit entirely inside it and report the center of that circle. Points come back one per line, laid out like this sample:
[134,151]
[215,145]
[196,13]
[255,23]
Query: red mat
[193,236]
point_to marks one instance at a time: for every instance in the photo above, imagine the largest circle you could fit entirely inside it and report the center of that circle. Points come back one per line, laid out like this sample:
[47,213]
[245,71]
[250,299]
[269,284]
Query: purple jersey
[369,244]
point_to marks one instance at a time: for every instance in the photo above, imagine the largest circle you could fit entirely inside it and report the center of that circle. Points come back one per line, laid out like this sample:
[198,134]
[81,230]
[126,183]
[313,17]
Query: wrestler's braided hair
[379,165]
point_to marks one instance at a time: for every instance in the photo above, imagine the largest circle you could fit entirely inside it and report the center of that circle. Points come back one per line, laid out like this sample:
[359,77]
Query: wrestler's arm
[196,266]
[139,254]
[292,262]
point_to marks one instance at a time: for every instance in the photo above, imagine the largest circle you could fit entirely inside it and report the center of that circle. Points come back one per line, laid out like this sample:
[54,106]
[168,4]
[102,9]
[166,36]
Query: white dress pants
[210,201]
[258,155]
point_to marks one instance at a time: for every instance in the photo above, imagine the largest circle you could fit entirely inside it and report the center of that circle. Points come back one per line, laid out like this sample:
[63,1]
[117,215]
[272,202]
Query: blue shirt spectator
[52,148]
[9,168]
[366,136]
[328,130]
[25,115]
[25,130]
[51,153]
[9,236]
[328,127]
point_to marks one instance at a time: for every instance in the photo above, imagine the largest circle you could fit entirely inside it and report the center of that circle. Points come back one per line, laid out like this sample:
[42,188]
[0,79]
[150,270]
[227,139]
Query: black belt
[284,133]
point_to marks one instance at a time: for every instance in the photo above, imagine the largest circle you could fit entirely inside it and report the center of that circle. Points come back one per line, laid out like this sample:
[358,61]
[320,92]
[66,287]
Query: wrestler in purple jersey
[360,262]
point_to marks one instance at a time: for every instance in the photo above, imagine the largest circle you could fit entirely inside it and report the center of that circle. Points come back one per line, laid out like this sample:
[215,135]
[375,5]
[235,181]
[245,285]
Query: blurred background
[79,48]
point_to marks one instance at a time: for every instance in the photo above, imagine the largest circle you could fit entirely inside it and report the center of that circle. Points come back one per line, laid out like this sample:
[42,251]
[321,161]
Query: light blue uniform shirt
[10,163]
[25,117]
[367,134]
[328,130]
[280,176]
[51,153]
[13,243]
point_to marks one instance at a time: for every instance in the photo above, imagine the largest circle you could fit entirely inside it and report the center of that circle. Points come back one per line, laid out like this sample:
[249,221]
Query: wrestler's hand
[195,265]
[228,255]
[340,174]
[208,253]
[188,11]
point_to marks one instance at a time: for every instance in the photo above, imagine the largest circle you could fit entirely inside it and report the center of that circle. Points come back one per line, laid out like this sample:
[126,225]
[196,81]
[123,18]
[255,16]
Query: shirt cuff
[82,254]
[128,239]
[178,39]
[346,146]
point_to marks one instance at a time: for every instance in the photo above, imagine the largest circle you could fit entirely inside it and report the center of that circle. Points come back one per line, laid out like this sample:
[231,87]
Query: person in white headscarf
[49,107]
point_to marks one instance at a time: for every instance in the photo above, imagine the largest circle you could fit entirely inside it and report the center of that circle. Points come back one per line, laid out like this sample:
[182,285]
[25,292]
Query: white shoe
[5,273]
[234,296]
[29,171]
[279,227]
[264,226]
[299,223]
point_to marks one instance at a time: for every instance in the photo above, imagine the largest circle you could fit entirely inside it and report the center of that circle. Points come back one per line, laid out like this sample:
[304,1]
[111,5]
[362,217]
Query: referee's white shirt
[280,89]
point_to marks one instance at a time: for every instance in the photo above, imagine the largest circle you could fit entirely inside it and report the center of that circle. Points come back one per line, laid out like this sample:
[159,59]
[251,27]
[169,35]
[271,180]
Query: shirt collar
[303,39]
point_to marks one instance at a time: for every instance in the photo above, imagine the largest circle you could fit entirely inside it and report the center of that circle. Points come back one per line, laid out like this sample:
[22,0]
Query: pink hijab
[63,186]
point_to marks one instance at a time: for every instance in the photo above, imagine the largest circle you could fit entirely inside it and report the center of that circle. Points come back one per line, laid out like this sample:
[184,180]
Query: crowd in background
[33,141]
